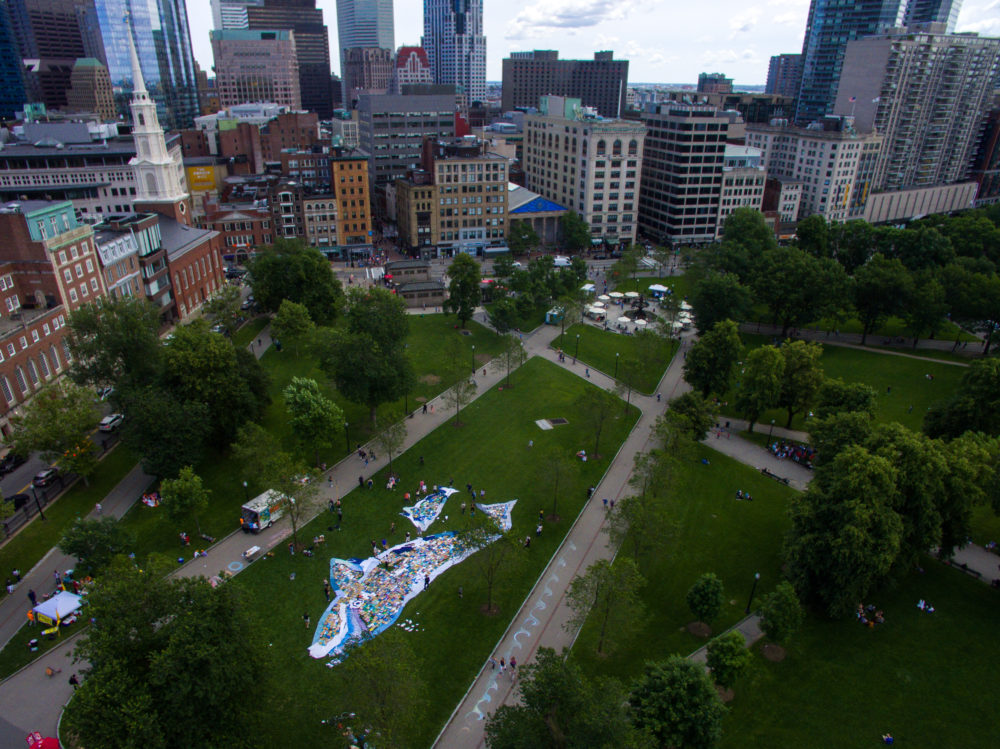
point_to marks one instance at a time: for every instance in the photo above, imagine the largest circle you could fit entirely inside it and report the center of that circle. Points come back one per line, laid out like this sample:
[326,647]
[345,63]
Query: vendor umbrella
[640,322]
[685,306]
[624,319]
[632,294]
[598,304]
[616,295]
[603,297]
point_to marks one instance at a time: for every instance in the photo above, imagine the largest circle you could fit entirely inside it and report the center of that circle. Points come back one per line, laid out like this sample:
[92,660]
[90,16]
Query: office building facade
[366,69]
[456,46]
[933,11]
[411,66]
[714,83]
[831,24]
[90,90]
[252,66]
[784,75]
[12,93]
[601,83]
[232,14]
[363,24]
[743,178]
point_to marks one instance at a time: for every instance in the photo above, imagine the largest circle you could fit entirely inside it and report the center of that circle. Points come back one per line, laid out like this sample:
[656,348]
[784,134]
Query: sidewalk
[853,340]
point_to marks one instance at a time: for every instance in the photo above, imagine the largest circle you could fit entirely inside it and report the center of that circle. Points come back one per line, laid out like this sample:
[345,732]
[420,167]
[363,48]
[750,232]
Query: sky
[665,41]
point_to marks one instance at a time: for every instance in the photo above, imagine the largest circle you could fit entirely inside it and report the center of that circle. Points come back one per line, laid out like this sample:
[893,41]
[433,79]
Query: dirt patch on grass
[774,653]
[726,695]
[430,379]
[699,629]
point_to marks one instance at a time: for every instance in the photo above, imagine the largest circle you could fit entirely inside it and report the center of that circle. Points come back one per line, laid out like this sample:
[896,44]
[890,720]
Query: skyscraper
[232,14]
[256,66]
[312,47]
[363,23]
[601,83]
[456,47]
[784,75]
[163,46]
[11,84]
[830,26]
[933,11]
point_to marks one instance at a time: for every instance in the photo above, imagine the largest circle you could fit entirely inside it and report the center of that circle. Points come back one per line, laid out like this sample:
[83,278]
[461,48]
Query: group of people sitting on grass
[802,454]
[740,494]
[870,616]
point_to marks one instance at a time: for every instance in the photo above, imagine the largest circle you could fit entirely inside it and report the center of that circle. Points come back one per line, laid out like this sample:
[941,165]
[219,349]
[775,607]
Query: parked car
[9,462]
[111,422]
[248,303]
[105,393]
[19,500]
[45,477]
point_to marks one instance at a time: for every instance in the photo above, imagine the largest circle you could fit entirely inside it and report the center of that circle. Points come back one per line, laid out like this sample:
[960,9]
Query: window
[93,285]
[43,363]
[21,382]
[5,386]
[55,358]
[72,295]
[68,275]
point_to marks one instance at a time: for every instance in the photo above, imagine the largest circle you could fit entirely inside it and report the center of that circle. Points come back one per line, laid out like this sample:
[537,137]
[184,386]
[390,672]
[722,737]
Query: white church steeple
[159,175]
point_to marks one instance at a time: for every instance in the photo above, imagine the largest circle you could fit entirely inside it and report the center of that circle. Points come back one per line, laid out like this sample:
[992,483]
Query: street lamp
[771,431]
[473,358]
[753,589]
[347,436]
[38,504]
[577,354]
[246,492]
[616,365]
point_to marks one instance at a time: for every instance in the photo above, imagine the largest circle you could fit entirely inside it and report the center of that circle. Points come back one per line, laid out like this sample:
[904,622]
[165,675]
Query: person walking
[326,590]
[305,618]
[503,665]
[33,598]
[513,668]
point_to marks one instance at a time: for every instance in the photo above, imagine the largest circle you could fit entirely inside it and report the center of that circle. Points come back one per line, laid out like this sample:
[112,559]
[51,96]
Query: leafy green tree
[292,324]
[596,407]
[746,226]
[511,357]
[554,472]
[259,455]
[663,257]
[781,613]
[727,657]
[690,413]
[498,555]
[172,662]
[705,597]
[610,594]
[718,297]
[378,313]
[503,267]
[167,432]
[290,269]
[115,342]
[56,422]
[384,678]
[95,543]
[802,377]
[522,237]
[575,232]
[711,361]
[845,535]
[834,432]
[836,396]
[974,297]
[458,396]
[572,305]
[560,707]
[797,287]
[675,702]
[813,235]
[224,307]
[295,481]
[185,495]
[314,418]
[637,523]
[760,382]
[463,287]
[880,288]
[504,316]
[391,439]
[971,478]
[628,264]
[975,405]
[851,243]
[925,308]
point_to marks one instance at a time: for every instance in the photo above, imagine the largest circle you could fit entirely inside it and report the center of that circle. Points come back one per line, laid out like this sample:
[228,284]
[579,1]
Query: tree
[663,257]
[458,396]
[259,455]
[95,543]
[596,407]
[974,406]
[851,243]
[384,679]
[172,662]
[727,658]
[224,308]
[690,415]
[628,265]
[746,226]
[802,377]
[314,418]
[503,266]
[497,554]
[290,269]
[674,701]
[718,297]
[296,482]
[630,373]
[504,316]
[973,294]
[166,432]
[292,324]
[711,361]
[511,357]
[836,396]
[572,305]
[925,308]
[879,289]
[813,235]
[380,314]
[797,287]
[114,342]
[705,597]
[56,422]
[391,439]
[463,287]
[760,382]
[609,593]
[185,495]
[781,613]
[637,523]
[574,230]
[554,471]
[522,237]
[833,433]
[559,707]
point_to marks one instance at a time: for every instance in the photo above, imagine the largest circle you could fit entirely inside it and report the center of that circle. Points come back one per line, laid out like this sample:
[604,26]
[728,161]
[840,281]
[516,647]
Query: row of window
[33,372]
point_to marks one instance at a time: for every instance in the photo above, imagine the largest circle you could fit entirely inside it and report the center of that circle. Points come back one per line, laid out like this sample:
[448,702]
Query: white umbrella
[657,287]
[632,294]
[616,295]
[604,297]
[640,322]
[686,306]
[598,304]
[677,325]
[624,319]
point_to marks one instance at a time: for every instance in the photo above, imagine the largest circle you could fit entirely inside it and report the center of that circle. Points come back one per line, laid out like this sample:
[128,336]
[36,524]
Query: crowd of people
[802,454]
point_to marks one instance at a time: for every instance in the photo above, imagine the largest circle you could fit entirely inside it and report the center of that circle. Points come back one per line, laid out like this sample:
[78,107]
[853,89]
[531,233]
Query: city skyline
[740,45]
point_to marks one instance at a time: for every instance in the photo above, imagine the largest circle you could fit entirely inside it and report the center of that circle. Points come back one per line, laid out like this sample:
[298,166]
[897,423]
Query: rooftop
[178,239]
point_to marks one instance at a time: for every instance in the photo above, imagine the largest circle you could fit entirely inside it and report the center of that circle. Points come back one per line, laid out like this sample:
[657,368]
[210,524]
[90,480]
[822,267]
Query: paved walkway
[749,627]
[853,340]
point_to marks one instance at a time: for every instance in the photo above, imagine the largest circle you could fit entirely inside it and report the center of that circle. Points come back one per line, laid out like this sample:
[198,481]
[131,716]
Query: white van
[561,261]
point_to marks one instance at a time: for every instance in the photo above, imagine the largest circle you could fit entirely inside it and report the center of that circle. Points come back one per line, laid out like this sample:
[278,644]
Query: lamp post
[616,365]
[38,504]
[753,589]
[246,492]
[771,431]
[576,355]
[473,358]
[347,436]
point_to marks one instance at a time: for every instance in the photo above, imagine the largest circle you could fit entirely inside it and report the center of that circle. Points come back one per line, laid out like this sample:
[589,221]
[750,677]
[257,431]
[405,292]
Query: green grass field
[922,677]
[911,395]
[249,330]
[709,531]
[491,452]
[598,349]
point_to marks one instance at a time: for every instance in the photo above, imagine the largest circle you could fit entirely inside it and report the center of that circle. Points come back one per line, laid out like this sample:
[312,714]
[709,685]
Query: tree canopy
[290,269]
[711,361]
[464,275]
[674,702]
[95,543]
[574,230]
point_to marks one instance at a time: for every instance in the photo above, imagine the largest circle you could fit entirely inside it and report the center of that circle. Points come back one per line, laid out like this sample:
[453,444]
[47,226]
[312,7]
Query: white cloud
[721,57]
[744,22]
[545,16]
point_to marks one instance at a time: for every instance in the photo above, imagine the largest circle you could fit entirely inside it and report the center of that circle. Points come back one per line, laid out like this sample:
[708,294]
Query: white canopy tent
[632,294]
[58,607]
[624,319]
[658,288]
[616,295]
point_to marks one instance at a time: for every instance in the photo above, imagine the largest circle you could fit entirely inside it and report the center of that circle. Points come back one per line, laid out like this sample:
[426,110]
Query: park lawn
[599,349]
[15,655]
[250,330]
[893,327]
[34,540]
[527,322]
[709,531]
[933,353]
[912,393]
[985,525]
[919,676]
[681,284]
[490,451]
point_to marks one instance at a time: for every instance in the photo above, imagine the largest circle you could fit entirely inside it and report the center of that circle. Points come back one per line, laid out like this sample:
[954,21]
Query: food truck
[262,511]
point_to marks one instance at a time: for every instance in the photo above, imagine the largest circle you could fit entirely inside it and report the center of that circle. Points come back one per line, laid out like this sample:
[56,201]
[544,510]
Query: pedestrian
[586,371]
[392,527]
[612,504]
[326,590]
[541,515]
[17,576]
[374,546]
[371,484]
[305,618]
[31,617]
[98,508]
[73,681]
[472,510]
[340,516]
[259,341]
[513,668]
[503,665]
[421,460]
[527,542]
[538,530]
[605,503]
[427,581]
[658,397]
[531,443]
[463,508]
[590,492]
[384,545]
[361,481]
[32,597]
[425,408]
[482,494]
[407,539]
[461,593]
[291,548]
[493,663]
